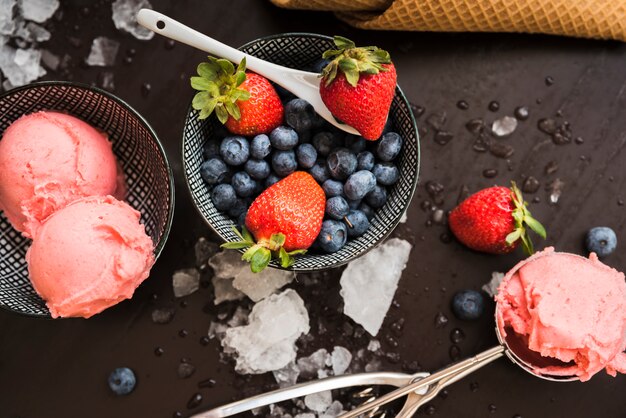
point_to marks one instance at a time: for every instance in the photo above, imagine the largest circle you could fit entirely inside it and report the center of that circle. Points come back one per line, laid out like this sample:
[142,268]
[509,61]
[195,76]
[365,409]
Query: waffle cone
[600,19]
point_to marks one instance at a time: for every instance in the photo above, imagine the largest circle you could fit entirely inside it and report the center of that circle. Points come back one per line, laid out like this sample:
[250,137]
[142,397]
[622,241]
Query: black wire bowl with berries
[147,173]
[303,51]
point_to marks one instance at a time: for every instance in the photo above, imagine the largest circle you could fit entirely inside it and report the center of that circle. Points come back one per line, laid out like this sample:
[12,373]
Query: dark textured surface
[59,368]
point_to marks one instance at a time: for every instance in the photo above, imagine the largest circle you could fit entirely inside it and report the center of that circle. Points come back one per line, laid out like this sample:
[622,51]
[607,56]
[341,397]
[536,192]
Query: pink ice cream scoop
[89,256]
[48,159]
[569,308]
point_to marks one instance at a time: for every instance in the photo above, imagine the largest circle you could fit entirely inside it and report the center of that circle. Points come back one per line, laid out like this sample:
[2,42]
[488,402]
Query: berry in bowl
[284,186]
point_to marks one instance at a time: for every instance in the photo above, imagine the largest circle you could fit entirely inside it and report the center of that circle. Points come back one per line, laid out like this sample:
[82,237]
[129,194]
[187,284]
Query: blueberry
[284,94]
[223,196]
[283,138]
[386,173]
[284,162]
[355,143]
[307,155]
[241,219]
[214,171]
[299,114]
[211,148]
[359,184]
[337,207]
[353,204]
[319,66]
[332,236]
[260,147]
[359,223]
[601,240]
[341,163]
[243,184]
[365,161]
[332,188]
[235,150]
[468,305]
[377,197]
[271,179]
[389,146]
[320,171]
[122,381]
[257,169]
[325,142]
[240,206]
[367,210]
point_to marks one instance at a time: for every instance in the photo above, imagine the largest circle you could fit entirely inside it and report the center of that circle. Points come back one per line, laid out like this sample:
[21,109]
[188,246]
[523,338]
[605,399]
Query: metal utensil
[303,84]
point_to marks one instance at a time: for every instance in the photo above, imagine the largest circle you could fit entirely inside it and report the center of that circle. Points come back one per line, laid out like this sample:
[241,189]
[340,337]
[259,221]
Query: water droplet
[177,414]
[517,416]
[482,143]
[444,394]
[531,185]
[501,150]
[158,351]
[437,120]
[490,173]
[493,106]
[579,140]
[185,370]
[463,194]
[551,167]
[392,357]
[547,125]
[475,126]
[438,216]
[538,101]
[194,401]
[492,408]
[434,188]
[184,303]
[392,342]
[425,205]
[474,386]
[128,60]
[462,104]
[457,335]
[205,340]
[620,202]
[207,383]
[145,89]
[397,327]
[549,80]
[536,199]
[417,110]
[445,238]
[441,320]
[85,11]
[170,44]
[521,113]
[455,353]
[411,366]
[428,223]
[555,188]
[443,137]
[183,333]
[131,52]
[430,410]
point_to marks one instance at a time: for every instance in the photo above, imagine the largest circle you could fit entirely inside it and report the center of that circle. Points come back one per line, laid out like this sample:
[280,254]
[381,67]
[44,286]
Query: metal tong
[420,388]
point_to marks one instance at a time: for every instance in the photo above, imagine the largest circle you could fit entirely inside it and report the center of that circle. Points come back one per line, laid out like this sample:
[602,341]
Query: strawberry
[494,220]
[358,86]
[245,102]
[285,220]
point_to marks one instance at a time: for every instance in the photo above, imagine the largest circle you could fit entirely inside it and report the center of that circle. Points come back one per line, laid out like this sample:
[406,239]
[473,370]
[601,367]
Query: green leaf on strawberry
[523,219]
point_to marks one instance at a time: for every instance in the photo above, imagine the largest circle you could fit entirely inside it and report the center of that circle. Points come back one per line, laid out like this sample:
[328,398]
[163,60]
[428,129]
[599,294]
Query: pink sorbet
[47,160]
[89,256]
[568,307]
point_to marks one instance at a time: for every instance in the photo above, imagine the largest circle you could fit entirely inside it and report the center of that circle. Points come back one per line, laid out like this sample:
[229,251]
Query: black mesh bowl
[301,51]
[148,175]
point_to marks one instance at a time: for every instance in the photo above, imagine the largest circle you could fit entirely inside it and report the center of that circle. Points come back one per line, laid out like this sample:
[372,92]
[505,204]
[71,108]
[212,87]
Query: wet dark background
[59,368]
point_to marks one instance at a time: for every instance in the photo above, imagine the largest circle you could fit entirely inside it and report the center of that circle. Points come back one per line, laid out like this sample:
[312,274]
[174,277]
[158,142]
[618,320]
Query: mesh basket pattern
[146,170]
[300,51]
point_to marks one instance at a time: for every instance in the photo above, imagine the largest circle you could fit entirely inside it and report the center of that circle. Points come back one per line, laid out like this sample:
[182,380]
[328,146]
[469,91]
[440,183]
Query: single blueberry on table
[355,143]
[332,188]
[260,147]
[332,236]
[299,114]
[325,142]
[601,240]
[214,171]
[284,162]
[377,197]
[306,155]
[122,381]
[211,148]
[235,150]
[358,223]
[283,138]
[243,184]
[359,184]
[257,169]
[341,163]
[365,161]
[386,173]
[389,146]
[367,210]
[337,207]
[223,196]
[271,179]
[320,171]
[468,305]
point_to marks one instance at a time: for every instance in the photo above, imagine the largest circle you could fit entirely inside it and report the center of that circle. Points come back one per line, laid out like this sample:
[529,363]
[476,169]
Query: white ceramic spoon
[301,83]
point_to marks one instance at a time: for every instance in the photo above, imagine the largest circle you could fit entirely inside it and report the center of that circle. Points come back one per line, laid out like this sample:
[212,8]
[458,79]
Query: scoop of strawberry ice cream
[569,308]
[48,159]
[89,256]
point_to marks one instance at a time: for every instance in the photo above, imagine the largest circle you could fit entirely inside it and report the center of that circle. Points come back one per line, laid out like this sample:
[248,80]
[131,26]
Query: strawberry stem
[523,219]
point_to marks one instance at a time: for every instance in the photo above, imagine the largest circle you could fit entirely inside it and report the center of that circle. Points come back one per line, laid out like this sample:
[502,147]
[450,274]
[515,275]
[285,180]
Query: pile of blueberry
[354,173]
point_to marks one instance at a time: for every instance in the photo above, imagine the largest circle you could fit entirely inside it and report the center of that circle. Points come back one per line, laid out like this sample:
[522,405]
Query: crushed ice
[103,52]
[504,126]
[185,282]
[491,288]
[124,14]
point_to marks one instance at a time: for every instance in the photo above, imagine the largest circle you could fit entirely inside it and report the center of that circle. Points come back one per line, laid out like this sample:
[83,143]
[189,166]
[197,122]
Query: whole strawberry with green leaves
[245,102]
[358,86]
[495,220]
[284,221]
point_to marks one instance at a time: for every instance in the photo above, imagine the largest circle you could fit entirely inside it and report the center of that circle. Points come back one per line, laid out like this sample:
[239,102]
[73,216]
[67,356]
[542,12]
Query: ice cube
[7,22]
[224,290]
[340,359]
[217,330]
[106,80]
[287,376]
[103,52]
[491,288]
[185,282]
[555,188]
[404,218]
[504,126]
[125,17]
[374,345]
[20,66]
[31,32]
[305,415]
[226,264]
[38,10]
[203,250]
[267,343]
[334,410]
[185,370]
[369,283]
[309,366]
[319,402]
[373,365]
[239,318]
